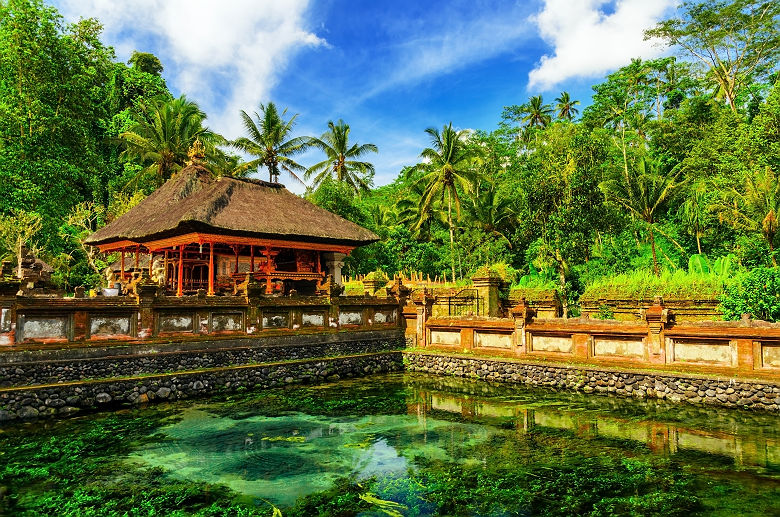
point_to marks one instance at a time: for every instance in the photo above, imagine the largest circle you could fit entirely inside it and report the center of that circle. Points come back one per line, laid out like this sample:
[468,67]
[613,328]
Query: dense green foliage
[757,293]
[673,157]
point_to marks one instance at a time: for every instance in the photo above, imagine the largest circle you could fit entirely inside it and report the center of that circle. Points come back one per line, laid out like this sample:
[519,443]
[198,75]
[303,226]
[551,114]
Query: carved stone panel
[703,351]
[313,319]
[5,320]
[551,343]
[40,327]
[770,354]
[445,337]
[227,321]
[492,339]
[174,322]
[351,317]
[105,326]
[609,346]
[386,316]
[276,320]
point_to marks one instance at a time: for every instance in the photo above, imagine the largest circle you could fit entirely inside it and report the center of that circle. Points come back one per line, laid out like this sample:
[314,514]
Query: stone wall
[68,365]
[69,398]
[684,388]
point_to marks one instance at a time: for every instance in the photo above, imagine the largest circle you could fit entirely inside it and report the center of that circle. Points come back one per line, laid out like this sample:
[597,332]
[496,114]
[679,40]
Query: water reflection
[282,451]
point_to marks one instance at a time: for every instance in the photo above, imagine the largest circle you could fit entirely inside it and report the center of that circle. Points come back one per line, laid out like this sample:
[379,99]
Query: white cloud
[452,40]
[226,55]
[587,42]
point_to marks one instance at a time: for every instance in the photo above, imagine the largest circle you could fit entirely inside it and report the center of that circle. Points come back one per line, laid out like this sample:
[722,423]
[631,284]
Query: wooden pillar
[165,268]
[122,266]
[151,260]
[180,287]
[268,269]
[136,258]
[235,250]
[252,258]
[211,269]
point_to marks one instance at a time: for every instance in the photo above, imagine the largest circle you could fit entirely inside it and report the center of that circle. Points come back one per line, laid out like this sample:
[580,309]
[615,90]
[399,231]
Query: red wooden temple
[198,231]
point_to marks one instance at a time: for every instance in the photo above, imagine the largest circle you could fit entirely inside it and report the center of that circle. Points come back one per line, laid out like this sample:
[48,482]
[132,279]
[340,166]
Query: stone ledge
[89,350]
[671,386]
[150,362]
[60,400]
[721,374]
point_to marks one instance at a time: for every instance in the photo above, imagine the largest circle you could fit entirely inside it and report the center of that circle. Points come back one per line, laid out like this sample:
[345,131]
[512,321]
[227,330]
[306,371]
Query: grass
[644,285]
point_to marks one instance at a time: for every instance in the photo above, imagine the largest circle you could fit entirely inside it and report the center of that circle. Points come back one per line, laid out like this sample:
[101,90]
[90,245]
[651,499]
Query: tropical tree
[270,142]
[642,190]
[755,206]
[536,112]
[161,136]
[449,166]
[341,158]
[492,213]
[566,106]
[695,211]
[738,40]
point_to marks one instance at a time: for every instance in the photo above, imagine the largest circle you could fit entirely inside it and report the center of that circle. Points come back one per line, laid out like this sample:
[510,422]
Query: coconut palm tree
[755,206]
[270,143]
[695,211]
[492,213]
[642,190]
[341,158]
[162,133]
[536,112]
[565,106]
[449,166]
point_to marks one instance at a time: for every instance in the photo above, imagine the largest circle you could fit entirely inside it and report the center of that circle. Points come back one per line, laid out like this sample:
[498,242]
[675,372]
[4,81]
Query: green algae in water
[397,444]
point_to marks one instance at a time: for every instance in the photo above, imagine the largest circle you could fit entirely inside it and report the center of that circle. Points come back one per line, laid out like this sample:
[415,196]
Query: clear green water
[397,445]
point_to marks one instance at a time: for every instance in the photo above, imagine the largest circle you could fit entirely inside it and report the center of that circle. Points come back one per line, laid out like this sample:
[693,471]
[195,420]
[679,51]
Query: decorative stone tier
[26,368]
[684,388]
[69,398]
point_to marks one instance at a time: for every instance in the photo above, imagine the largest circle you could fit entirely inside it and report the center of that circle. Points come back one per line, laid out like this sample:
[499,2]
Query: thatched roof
[195,201]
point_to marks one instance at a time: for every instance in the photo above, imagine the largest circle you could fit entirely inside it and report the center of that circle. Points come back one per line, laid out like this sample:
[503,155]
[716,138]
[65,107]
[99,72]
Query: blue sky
[388,68]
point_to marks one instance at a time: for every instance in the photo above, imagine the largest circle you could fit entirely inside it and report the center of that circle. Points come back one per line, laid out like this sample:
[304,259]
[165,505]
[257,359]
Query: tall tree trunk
[655,257]
[452,234]
[19,245]
[771,251]
[562,283]
[698,242]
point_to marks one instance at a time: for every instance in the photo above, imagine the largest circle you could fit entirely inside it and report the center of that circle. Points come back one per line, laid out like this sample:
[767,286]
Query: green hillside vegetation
[672,158]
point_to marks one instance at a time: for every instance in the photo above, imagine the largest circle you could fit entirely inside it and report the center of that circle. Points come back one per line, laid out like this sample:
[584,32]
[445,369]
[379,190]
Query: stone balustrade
[722,347]
[148,315]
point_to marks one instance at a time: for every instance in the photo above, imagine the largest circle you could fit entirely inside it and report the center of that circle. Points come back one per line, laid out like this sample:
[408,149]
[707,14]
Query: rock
[103,398]
[73,400]
[197,385]
[5,416]
[163,392]
[334,377]
[68,410]
[27,412]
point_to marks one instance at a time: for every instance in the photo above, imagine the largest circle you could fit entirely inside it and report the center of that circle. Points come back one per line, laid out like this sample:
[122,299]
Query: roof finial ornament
[197,152]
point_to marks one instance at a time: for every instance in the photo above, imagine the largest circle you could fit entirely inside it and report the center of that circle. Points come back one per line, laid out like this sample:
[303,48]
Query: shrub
[756,293]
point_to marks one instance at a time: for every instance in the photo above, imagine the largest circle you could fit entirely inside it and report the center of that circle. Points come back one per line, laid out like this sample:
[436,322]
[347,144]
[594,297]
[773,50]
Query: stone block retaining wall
[68,398]
[50,367]
[685,388]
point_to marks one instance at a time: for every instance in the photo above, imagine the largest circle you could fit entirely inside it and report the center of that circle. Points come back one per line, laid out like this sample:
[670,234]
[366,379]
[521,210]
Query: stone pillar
[487,288]
[334,261]
[424,307]
[657,317]
[522,314]
[146,293]
[254,291]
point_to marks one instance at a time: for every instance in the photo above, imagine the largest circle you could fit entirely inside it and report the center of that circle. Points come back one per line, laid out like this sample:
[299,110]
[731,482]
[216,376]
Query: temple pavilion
[198,231]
